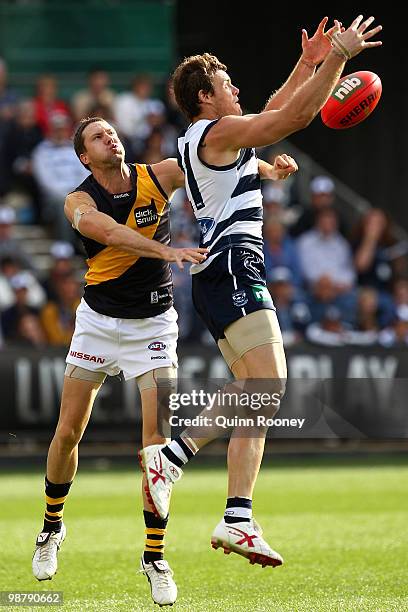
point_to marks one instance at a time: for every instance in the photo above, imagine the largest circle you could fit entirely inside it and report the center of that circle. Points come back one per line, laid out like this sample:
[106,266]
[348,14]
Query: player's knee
[261,396]
[68,436]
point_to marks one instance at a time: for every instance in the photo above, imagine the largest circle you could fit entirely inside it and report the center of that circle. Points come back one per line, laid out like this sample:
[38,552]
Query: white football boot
[245,539]
[47,545]
[160,474]
[162,585]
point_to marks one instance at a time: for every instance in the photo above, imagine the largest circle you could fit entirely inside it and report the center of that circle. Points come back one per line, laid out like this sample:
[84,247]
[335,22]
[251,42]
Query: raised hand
[353,40]
[318,46]
[284,166]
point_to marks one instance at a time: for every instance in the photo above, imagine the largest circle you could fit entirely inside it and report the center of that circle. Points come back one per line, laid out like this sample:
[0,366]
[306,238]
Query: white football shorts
[132,346]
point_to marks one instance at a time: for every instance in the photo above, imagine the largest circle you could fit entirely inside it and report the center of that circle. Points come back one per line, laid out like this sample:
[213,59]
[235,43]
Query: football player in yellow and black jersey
[124,323]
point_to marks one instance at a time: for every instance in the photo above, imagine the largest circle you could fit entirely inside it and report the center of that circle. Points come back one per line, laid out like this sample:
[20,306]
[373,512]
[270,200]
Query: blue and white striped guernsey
[227,200]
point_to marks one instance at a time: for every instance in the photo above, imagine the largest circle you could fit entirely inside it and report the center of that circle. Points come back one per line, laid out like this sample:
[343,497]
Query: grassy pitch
[340,524]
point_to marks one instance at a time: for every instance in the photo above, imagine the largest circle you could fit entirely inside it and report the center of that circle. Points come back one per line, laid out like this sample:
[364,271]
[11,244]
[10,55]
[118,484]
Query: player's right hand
[193,255]
[353,40]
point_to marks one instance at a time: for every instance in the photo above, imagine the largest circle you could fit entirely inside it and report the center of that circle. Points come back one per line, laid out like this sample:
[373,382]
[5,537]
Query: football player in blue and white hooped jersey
[222,178]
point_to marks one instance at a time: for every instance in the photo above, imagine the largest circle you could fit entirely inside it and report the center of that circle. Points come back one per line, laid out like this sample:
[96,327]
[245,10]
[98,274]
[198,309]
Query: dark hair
[78,139]
[95,70]
[387,237]
[194,74]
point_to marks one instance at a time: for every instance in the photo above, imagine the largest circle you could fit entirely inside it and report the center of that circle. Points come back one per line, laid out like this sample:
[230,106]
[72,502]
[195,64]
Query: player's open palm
[318,46]
[354,40]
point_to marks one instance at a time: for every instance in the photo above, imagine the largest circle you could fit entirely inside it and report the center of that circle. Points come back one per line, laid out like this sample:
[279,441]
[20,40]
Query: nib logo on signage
[346,87]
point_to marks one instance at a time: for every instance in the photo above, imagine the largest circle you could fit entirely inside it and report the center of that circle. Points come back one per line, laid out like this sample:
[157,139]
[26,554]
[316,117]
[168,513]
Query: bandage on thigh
[258,328]
[73,371]
[159,377]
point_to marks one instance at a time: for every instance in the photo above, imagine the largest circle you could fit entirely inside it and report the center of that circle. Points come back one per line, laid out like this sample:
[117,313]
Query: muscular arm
[300,74]
[81,211]
[102,228]
[169,175]
[232,132]
[314,51]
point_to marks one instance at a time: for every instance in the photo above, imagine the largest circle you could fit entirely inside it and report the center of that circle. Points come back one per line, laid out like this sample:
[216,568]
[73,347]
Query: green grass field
[340,524]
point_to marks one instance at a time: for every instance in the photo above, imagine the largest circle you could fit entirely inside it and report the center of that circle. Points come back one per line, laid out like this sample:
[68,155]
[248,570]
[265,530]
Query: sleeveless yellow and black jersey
[119,284]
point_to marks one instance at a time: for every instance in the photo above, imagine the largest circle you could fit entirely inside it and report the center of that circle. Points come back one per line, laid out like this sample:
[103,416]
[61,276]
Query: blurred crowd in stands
[334,282]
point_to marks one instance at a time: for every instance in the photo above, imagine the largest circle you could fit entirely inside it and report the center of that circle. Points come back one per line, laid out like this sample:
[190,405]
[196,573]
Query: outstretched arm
[314,51]
[234,132]
[282,168]
[80,209]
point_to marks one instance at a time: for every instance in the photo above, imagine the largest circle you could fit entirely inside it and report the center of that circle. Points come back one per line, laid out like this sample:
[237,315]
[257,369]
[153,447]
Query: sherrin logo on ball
[354,98]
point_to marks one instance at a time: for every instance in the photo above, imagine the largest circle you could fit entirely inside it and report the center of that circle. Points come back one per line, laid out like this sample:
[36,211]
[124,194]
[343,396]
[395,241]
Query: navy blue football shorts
[231,287]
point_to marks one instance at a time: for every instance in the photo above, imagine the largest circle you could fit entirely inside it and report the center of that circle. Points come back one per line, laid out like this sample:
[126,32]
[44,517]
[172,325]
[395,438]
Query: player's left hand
[316,48]
[284,166]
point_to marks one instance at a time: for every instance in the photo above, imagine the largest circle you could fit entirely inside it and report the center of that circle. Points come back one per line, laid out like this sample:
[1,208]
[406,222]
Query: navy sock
[238,509]
[178,452]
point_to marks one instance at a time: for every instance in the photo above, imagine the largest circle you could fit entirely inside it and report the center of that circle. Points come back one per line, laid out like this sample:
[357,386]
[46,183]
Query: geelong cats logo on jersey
[146,215]
[206,223]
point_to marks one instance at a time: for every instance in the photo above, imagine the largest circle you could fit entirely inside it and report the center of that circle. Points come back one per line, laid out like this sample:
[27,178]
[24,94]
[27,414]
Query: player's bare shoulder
[169,174]
[226,133]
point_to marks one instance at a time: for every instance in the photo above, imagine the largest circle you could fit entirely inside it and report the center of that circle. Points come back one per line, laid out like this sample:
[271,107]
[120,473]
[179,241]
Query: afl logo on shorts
[156,346]
[239,298]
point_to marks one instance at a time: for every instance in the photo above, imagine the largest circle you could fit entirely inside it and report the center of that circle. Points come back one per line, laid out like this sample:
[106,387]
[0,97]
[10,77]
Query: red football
[352,100]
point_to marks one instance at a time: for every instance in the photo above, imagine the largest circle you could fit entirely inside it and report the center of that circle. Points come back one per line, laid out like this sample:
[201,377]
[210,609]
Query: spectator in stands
[378,255]
[323,252]
[58,171]
[400,292]
[10,246]
[62,254]
[280,250]
[132,110]
[29,333]
[154,147]
[397,333]
[58,317]
[98,93]
[8,102]
[20,284]
[175,122]
[173,114]
[21,139]
[322,197]
[293,313]
[274,200]
[47,104]
[10,268]
[324,293]
[330,330]
[8,97]
[368,315]
[184,226]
